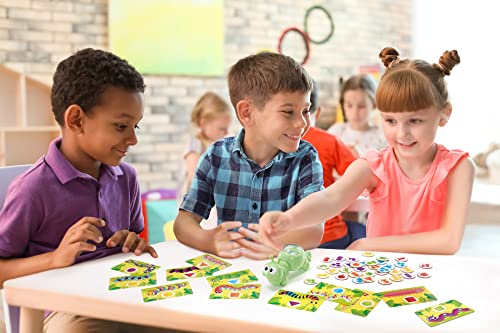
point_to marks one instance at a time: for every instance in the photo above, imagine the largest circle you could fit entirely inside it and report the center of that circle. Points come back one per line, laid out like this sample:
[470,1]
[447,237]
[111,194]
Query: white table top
[83,289]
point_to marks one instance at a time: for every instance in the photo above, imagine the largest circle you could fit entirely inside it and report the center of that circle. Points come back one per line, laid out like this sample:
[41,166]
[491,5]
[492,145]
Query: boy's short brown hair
[260,76]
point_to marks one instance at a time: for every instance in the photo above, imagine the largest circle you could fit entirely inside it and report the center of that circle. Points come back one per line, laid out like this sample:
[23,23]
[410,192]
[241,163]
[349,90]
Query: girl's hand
[253,247]
[358,245]
[224,239]
[76,240]
[273,225]
[130,241]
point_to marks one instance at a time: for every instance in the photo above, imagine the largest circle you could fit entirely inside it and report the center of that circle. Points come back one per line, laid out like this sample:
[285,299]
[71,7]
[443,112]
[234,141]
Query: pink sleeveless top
[400,205]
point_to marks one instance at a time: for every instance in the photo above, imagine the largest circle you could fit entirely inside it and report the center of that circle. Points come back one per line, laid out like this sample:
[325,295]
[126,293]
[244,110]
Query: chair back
[7,175]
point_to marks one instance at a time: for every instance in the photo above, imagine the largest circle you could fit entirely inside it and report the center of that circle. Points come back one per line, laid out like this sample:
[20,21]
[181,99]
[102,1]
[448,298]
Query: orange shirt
[400,205]
[334,155]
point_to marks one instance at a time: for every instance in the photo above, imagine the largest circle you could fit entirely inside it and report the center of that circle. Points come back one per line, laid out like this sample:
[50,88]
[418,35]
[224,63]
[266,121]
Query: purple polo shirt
[50,197]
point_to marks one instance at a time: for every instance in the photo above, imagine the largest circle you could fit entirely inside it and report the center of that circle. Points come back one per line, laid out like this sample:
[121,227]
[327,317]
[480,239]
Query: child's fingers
[115,239]
[234,235]
[230,225]
[79,247]
[129,241]
[149,249]
[89,220]
[139,246]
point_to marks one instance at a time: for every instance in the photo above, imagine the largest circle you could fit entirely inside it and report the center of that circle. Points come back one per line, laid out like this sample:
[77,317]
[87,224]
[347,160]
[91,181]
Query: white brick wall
[36,34]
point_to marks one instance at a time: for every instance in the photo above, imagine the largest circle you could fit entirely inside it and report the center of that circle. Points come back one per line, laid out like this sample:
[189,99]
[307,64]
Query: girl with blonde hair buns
[211,116]
[419,190]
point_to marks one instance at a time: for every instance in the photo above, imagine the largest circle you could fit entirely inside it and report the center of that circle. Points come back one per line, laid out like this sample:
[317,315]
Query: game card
[132,281]
[406,296]
[166,291]
[235,291]
[135,267]
[208,261]
[443,313]
[244,276]
[296,300]
[362,305]
[334,293]
[188,272]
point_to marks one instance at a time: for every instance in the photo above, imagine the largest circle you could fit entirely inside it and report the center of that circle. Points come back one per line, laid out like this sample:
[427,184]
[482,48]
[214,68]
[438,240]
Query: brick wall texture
[36,34]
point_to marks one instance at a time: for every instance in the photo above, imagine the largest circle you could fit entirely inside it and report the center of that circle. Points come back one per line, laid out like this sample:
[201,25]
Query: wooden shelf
[26,122]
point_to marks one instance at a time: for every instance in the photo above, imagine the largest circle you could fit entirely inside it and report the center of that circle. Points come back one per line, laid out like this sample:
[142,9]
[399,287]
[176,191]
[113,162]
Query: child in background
[357,101]
[265,167]
[212,116]
[334,157]
[93,208]
[419,190]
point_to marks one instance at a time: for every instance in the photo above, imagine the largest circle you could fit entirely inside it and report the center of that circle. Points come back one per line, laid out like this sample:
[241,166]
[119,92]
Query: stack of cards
[203,265]
[141,274]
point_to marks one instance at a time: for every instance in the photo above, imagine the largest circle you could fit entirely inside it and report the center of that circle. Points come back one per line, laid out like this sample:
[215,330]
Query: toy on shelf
[291,258]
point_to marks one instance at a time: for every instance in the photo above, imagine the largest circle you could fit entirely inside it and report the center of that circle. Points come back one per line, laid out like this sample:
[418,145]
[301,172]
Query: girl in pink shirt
[419,191]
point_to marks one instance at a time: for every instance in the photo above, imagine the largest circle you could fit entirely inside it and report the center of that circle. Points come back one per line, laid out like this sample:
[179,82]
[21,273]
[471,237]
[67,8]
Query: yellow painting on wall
[175,37]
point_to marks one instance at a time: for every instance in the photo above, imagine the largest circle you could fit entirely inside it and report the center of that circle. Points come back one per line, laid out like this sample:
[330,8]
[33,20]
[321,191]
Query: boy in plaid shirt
[265,167]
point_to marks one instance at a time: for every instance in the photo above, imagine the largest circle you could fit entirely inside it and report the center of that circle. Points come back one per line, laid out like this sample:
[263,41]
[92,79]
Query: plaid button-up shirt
[242,190]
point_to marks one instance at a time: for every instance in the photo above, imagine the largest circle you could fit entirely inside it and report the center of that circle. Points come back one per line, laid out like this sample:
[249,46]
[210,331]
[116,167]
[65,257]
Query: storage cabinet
[26,122]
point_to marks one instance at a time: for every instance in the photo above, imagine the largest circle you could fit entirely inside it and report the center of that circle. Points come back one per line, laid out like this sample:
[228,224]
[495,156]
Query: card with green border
[443,313]
[207,261]
[296,300]
[239,277]
[334,293]
[188,272]
[407,296]
[135,267]
[235,291]
[166,291]
[362,305]
[132,281]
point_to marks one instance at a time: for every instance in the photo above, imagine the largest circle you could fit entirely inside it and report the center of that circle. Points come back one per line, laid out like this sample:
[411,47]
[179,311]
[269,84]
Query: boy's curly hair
[83,77]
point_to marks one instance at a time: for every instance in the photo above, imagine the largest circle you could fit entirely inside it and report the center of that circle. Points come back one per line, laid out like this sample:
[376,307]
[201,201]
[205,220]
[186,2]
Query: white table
[83,289]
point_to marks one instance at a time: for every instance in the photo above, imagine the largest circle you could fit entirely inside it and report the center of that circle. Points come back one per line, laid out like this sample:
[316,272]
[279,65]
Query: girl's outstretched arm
[319,206]
[445,240]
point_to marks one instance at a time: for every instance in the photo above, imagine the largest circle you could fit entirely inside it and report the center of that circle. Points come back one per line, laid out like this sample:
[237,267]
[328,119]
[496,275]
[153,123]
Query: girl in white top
[357,101]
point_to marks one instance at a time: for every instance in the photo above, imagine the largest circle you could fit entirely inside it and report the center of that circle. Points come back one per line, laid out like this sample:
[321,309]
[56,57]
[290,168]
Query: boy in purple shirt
[79,201]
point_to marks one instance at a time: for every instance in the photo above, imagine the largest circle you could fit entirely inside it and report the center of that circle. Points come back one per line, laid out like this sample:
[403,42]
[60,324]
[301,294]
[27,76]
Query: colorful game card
[362,305]
[296,300]
[235,291]
[166,291]
[443,313]
[334,293]
[135,267]
[406,296]
[239,277]
[208,261]
[188,272]
[132,281]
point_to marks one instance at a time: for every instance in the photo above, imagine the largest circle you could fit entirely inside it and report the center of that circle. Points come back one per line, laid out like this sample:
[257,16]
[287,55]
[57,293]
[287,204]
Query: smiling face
[108,129]
[412,134]
[279,126]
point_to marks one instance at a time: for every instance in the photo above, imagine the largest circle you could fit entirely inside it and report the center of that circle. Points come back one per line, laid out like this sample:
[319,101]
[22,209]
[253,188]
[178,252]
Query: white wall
[472,28]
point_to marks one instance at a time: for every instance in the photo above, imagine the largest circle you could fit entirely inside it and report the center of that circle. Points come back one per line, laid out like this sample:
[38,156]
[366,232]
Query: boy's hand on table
[131,242]
[272,225]
[224,240]
[76,240]
[252,244]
